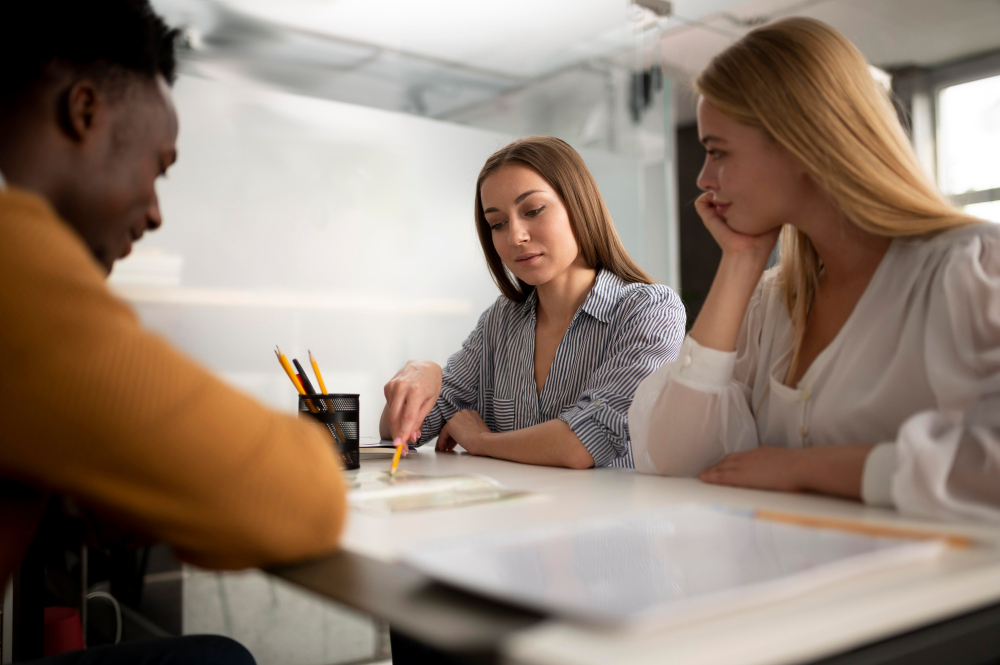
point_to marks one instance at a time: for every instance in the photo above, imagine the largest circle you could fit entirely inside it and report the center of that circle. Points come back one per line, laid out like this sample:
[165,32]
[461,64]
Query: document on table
[379,492]
[660,567]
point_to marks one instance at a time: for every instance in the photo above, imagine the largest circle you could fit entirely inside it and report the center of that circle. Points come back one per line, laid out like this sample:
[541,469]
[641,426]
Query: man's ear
[78,109]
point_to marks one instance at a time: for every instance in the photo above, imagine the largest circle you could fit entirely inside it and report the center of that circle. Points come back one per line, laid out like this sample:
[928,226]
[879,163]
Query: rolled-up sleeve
[649,332]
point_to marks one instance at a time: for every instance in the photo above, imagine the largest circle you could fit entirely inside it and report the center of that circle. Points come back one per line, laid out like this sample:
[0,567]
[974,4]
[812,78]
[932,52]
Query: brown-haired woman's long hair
[812,91]
[564,169]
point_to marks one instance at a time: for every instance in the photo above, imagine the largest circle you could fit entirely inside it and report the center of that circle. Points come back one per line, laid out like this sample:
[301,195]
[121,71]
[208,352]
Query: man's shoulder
[18,203]
[33,235]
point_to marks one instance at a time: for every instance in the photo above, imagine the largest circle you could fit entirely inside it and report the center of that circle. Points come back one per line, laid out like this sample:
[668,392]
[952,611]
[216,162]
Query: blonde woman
[548,374]
[865,365]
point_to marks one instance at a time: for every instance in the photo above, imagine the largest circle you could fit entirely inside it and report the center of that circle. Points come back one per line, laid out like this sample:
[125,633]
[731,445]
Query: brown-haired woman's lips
[526,259]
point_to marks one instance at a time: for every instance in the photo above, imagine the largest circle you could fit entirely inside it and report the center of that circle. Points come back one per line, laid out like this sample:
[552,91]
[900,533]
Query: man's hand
[466,429]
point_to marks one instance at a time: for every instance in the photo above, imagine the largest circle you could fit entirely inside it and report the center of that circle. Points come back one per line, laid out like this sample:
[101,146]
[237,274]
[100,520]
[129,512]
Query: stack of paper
[659,567]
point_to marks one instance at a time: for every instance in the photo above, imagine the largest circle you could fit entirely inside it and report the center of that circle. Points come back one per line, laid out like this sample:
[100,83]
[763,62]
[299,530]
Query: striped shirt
[620,335]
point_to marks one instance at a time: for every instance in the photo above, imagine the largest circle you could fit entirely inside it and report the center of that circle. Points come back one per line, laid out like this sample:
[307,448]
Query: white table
[817,624]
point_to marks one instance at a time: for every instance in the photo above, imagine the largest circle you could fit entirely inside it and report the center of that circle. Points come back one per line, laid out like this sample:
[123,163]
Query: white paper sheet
[380,493]
[661,567]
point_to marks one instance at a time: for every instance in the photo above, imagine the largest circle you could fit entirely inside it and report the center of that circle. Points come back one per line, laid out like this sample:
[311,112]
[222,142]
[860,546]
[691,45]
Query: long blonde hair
[812,91]
[564,169]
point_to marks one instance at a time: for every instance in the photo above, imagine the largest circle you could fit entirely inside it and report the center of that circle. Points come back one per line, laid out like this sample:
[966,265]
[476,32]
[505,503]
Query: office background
[328,155]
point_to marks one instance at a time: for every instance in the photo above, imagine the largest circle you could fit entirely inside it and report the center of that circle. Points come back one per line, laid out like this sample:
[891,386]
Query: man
[92,406]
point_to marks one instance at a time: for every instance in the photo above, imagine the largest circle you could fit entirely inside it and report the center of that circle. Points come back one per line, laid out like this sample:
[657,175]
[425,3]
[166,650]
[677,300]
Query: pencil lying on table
[869,529]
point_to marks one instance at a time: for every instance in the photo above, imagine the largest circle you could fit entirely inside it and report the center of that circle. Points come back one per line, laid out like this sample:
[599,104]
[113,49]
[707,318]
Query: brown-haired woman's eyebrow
[516,201]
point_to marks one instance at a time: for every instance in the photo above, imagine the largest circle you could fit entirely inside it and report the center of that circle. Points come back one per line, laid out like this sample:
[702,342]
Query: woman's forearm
[718,323]
[836,470]
[551,443]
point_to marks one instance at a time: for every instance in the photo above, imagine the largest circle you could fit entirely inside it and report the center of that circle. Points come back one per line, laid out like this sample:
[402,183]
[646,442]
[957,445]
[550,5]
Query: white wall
[316,224]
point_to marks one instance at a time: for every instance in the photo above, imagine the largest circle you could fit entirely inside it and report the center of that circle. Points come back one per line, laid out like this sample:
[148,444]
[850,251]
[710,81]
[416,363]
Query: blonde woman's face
[756,184]
[530,225]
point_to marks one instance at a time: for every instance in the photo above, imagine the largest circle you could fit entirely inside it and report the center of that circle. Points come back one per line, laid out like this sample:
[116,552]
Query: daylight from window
[969,142]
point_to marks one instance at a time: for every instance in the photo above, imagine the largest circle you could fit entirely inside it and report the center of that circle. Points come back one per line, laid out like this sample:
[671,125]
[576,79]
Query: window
[969,146]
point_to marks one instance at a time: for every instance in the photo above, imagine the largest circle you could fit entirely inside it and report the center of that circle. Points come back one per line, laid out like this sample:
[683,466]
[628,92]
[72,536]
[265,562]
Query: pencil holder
[339,414]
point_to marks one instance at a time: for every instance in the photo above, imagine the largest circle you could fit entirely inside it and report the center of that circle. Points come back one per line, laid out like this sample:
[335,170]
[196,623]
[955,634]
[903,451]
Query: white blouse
[914,370]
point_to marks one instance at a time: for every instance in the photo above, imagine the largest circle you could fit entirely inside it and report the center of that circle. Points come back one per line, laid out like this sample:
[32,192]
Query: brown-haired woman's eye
[535,212]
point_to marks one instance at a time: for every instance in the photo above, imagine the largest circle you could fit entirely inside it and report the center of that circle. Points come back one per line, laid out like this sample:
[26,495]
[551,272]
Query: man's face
[131,142]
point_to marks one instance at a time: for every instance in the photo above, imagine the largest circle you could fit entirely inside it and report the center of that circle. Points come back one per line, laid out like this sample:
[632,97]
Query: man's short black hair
[99,38]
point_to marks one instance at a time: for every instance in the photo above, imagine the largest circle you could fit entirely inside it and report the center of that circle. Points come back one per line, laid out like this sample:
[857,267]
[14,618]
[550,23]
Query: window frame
[945,76]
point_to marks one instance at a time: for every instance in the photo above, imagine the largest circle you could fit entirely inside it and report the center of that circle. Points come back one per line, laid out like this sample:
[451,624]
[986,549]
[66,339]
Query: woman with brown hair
[548,374]
[867,363]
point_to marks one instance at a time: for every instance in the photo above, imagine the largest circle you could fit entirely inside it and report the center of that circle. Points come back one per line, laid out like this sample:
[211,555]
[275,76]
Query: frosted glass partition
[320,225]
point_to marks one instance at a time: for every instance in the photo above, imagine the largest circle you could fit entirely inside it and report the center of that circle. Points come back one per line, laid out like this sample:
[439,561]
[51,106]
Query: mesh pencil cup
[339,414]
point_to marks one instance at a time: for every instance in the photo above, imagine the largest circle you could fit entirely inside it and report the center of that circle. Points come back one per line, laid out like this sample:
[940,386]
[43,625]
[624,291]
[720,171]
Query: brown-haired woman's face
[530,226]
[756,184]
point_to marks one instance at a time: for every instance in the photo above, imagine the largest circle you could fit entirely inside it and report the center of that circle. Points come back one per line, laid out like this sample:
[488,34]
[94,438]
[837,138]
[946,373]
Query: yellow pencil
[395,460]
[861,527]
[287,366]
[319,377]
[322,387]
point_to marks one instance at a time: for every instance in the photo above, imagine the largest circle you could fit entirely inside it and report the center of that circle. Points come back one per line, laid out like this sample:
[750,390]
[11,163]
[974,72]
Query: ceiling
[436,56]
[517,38]
[891,33]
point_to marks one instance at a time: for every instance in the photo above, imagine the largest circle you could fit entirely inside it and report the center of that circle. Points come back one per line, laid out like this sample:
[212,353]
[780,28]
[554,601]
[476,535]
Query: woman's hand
[730,241]
[764,468]
[409,397]
[466,429]
[743,261]
[835,469]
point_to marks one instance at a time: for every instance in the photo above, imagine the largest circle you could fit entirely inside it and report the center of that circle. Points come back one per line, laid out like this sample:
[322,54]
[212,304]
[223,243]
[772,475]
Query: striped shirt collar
[601,300]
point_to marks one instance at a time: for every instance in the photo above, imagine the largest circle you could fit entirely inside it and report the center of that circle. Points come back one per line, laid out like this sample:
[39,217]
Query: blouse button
[806,395]
[687,360]
[803,431]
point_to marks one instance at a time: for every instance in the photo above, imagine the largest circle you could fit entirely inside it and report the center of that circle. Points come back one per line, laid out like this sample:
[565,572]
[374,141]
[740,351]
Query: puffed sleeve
[648,334]
[459,381]
[945,462]
[691,412]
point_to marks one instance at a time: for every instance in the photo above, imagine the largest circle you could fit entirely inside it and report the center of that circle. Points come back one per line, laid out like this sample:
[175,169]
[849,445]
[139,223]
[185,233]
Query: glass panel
[297,219]
[969,136]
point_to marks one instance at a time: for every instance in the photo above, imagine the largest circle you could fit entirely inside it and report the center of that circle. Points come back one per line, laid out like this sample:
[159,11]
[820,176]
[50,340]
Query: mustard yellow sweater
[94,407]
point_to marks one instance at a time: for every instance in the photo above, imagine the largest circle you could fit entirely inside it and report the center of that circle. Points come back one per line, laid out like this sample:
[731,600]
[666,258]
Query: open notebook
[659,567]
